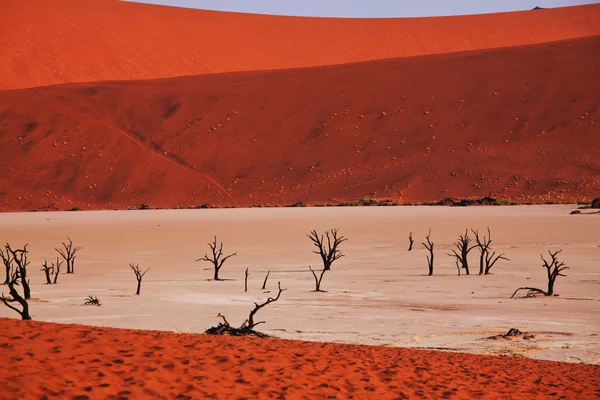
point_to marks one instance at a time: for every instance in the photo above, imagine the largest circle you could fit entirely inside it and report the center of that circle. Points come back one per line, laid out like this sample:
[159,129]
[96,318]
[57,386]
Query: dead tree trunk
[48,270]
[138,275]
[410,241]
[246,281]
[12,283]
[487,257]
[429,247]
[317,280]
[7,261]
[217,258]
[68,254]
[19,257]
[554,269]
[264,286]
[462,245]
[251,324]
[330,252]
[247,328]
[56,269]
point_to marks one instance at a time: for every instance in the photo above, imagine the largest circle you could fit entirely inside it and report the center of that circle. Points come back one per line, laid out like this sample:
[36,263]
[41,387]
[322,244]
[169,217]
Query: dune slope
[411,130]
[85,362]
[49,42]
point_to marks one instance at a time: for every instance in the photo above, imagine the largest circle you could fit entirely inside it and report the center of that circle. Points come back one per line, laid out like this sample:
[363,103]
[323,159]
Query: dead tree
[138,275]
[487,257]
[68,254]
[56,268]
[48,271]
[92,301]
[19,258]
[246,281]
[429,247]
[329,251]
[554,269]
[317,280]
[264,286]
[462,245]
[410,241]
[7,261]
[247,328]
[217,258]
[12,284]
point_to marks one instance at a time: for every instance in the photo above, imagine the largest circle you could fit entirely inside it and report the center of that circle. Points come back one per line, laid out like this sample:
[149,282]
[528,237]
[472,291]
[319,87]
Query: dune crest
[50,42]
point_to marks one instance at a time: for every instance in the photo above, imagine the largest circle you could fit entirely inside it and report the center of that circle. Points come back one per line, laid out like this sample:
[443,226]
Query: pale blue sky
[368,8]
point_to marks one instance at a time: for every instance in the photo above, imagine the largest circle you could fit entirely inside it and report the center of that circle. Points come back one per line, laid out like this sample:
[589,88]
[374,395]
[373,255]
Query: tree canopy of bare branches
[15,277]
[463,246]
[429,247]
[68,254]
[138,275]
[554,269]
[247,328]
[217,258]
[329,250]
[18,259]
[487,257]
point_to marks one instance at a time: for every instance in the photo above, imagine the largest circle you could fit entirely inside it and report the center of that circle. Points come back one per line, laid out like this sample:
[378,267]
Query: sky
[368,8]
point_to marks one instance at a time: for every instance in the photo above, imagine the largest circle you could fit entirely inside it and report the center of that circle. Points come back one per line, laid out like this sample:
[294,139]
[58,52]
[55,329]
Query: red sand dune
[520,123]
[49,42]
[78,362]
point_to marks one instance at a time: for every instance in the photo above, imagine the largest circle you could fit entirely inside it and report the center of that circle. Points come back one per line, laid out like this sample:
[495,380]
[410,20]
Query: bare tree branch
[329,252]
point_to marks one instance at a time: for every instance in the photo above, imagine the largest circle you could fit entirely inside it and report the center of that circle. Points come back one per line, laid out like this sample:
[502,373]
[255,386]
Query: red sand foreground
[48,42]
[520,123]
[72,361]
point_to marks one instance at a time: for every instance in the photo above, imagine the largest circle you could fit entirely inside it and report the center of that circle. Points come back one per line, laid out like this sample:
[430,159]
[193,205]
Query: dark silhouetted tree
[487,257]
[138,275]
[68,253]
[429,247]
[329,251]
[554,269]
[216,258]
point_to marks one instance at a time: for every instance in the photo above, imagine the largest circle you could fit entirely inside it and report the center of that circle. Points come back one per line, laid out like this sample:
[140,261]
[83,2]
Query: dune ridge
[88,362]
[46,43]
[411,130]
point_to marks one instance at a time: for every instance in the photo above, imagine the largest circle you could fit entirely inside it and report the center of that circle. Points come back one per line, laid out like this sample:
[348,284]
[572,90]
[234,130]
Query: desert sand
[46,43]
[82,362]
[377,294]
[412,130]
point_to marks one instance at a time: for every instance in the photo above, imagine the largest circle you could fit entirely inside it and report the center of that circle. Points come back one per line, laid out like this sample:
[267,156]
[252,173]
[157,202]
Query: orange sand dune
[79,362]
[49,42]
[518,123]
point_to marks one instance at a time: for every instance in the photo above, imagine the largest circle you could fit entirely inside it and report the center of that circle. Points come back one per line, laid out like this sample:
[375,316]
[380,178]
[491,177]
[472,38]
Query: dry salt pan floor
[377,294]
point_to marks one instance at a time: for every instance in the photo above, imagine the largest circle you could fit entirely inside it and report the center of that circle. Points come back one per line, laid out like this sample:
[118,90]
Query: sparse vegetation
[217,259]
